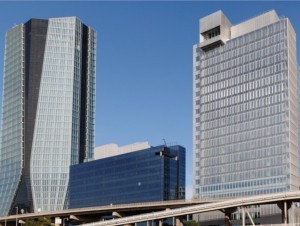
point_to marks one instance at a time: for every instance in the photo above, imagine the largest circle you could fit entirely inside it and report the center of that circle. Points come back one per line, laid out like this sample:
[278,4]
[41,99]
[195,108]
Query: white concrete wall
[110,150]
[254,24]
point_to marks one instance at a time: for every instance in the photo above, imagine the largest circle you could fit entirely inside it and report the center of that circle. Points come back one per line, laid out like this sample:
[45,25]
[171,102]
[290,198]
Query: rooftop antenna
[164,142]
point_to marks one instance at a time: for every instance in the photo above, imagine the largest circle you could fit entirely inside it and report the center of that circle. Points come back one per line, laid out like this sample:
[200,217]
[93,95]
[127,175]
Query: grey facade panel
[83,99]
[35,39]
[245,123]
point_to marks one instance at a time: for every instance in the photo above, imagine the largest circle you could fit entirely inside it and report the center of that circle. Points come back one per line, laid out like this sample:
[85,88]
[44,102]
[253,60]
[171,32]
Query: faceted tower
[47,111]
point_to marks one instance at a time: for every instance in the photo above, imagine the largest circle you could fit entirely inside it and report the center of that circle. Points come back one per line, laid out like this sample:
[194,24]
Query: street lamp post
[17,211]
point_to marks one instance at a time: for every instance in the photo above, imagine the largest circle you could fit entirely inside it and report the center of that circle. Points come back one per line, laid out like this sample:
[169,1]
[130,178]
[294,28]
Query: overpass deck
[238,202]
[130,209]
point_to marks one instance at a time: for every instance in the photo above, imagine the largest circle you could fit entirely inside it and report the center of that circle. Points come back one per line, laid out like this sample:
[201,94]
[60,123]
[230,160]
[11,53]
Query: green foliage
[41,221]
[192,223]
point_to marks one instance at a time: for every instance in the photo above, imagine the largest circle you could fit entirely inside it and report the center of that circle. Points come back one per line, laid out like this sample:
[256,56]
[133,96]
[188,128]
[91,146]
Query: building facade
[151,174]
[47,111]
[245,108]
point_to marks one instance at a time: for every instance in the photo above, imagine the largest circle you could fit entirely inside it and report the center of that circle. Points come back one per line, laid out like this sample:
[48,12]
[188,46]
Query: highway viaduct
[283,200]
[92,214]
[131,214]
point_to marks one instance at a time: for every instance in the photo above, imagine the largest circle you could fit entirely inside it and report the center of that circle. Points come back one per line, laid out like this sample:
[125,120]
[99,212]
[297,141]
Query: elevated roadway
[89,214]
[279,198]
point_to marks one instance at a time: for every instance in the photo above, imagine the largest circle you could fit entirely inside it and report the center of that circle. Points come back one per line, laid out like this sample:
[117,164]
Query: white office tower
[245,109]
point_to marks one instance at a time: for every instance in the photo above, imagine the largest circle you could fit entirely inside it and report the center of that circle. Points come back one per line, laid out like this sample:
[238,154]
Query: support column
[284,206]
[228,217]
[243,216]
[160,222]
[178,221]
[285,213]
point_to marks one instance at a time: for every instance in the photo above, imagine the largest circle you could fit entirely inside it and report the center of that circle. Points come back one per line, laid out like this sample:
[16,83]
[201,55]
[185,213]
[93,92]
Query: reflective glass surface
[57,129]
[59,83]
[153,174]
[245,115]
[12,140]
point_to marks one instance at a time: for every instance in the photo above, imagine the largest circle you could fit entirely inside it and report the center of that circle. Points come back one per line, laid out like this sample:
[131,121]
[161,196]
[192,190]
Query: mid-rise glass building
[245,107]
[151,174]
[47,111]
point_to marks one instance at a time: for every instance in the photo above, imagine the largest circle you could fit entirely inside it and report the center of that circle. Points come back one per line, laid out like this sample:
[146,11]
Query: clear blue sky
[144,61]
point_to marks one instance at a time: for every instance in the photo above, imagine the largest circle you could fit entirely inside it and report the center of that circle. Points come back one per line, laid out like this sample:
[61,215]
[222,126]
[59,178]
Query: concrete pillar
[243,216]
[160,222]
[284,206]
[285,220]
[228,217]
[178,221]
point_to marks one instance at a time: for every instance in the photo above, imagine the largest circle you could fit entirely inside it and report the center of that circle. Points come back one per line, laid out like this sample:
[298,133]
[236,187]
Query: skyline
[146,58]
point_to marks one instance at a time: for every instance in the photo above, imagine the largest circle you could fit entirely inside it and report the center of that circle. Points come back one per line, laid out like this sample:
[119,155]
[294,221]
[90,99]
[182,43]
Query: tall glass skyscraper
[47,111]
[245,128]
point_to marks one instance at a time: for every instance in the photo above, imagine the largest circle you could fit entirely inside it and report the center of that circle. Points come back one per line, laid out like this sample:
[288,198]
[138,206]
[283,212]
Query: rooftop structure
[110,150]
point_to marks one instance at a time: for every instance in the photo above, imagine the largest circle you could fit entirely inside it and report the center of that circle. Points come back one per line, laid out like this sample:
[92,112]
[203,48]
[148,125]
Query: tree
[41,221]
[192,223]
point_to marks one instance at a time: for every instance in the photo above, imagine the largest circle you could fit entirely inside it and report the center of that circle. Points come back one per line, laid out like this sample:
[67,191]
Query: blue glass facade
[153,174]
